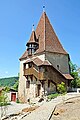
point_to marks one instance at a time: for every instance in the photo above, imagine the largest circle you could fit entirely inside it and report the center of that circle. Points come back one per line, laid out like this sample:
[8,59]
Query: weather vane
[44,6]
[33,27]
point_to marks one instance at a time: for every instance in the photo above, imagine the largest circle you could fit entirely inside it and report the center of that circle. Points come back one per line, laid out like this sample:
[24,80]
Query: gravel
[69,110]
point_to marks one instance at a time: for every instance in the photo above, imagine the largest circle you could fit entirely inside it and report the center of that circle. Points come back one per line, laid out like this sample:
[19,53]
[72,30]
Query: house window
[45,69]
[58,67]
[48,83]
[40,69]
[31,77]
[29,52]
[28,84]
[30,65]
[42,83]
[33,51]
[30,45]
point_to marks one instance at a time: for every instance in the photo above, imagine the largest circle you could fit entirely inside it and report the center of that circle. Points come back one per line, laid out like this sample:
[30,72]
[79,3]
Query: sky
[16,20]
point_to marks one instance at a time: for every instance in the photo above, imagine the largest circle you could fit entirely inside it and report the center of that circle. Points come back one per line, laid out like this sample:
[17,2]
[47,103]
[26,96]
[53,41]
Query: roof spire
[43,5]
[33,27]
[43,8]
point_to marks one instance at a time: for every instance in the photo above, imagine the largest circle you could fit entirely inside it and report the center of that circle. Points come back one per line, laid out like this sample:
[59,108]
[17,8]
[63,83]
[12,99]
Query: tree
[75,71]
[3,98]
[3,103]
[61,88]
[15,86]
[78,83]
[6,89]
[73,67]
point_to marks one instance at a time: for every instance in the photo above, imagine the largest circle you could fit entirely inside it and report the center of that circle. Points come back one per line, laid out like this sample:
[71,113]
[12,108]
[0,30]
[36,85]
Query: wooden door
[13,97]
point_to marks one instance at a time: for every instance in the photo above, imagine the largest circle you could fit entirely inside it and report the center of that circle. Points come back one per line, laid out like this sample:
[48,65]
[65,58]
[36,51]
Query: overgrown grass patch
[52,96]
[4,104]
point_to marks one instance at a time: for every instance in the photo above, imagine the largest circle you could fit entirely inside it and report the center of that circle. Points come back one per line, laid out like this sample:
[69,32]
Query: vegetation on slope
[8,81]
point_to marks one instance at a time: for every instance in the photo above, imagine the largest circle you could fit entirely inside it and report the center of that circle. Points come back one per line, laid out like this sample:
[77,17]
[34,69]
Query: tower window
[58,67]
[28,84]
[29,52]
[33,51]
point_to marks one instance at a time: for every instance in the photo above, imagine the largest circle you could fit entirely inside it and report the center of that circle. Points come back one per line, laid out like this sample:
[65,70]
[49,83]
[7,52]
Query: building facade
[44,64]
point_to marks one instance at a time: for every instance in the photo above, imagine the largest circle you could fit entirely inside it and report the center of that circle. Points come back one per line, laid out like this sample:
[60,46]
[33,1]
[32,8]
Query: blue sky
[17,18]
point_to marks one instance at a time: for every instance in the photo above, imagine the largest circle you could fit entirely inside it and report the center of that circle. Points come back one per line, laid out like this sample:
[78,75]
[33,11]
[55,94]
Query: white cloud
[6,72]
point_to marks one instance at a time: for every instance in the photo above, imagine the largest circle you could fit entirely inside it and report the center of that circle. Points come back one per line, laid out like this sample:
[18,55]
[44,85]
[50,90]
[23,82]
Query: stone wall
[55,78]
[59,59]
[51,89]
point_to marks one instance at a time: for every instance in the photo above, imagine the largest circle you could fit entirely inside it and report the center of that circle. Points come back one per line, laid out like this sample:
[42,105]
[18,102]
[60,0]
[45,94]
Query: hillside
[8,81]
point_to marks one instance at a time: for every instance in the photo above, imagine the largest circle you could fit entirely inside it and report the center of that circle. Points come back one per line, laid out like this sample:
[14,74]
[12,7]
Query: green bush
[17,101]
[52,96]
[61,88]
[78,83]
[3,99]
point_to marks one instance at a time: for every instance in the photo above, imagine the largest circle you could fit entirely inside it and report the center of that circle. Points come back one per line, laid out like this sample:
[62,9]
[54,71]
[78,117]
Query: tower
[44,64]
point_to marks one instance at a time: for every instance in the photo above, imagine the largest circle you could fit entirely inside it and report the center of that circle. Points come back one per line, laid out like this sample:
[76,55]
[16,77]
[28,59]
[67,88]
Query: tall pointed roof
[46,36]
[32,38]
[48,41]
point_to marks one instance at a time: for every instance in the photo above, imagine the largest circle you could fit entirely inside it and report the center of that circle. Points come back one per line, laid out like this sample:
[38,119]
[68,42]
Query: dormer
[32,45]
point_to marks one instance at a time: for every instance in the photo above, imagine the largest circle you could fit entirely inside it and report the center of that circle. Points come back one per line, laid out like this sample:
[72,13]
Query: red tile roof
[46,62]
[38,61]
[48,40]
[29,60]
[24,55]
[68,76]
[32,38]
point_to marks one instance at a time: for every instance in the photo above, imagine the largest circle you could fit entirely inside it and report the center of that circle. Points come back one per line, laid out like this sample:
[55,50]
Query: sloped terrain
[8,81]
[69,110]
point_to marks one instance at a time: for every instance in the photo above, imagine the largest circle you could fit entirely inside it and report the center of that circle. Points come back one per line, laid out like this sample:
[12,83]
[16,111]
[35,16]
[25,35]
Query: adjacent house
[12,95]
[44,64]
[1,89]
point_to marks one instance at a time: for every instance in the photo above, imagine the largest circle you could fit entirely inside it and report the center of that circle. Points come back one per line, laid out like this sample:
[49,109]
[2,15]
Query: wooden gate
[13,97]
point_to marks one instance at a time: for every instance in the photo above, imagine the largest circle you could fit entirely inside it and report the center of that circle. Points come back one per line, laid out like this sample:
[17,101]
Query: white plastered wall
[22,82]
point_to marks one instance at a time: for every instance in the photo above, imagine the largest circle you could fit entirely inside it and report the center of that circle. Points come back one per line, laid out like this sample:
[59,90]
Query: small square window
[58,67]
[30,65]
[31,77]
[28,84]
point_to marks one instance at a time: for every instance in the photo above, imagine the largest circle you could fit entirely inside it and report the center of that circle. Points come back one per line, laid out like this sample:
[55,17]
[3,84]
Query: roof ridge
[44,30]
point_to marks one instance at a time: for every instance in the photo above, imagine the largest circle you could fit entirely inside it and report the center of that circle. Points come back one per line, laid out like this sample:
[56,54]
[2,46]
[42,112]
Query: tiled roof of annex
[68,76]
[38,61]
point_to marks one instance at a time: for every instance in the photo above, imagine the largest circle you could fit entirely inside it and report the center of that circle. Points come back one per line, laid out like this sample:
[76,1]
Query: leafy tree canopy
[75,72]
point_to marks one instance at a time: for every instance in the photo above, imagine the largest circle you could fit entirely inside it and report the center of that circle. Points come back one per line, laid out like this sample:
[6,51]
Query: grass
[4,104]
[52,96]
